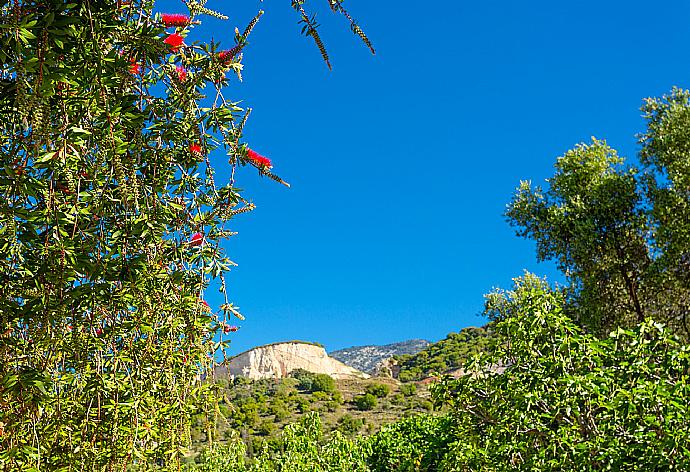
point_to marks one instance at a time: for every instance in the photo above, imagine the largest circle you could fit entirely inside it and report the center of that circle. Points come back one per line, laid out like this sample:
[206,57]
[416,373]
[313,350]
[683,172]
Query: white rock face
[278,360]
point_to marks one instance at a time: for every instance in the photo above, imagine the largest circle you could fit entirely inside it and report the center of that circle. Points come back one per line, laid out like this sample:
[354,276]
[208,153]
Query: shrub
[417,443]
[365,402]
[323,383]
[378,390]
[408,389]
[347,424]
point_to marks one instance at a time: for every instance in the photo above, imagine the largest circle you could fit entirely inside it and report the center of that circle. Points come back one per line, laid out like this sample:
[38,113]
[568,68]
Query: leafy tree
[591,222]
[665,153]
[568,400]
[418,443]
[323,383]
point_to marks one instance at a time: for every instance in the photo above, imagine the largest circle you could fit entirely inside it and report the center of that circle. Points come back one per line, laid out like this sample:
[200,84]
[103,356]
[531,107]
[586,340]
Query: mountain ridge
[367,358]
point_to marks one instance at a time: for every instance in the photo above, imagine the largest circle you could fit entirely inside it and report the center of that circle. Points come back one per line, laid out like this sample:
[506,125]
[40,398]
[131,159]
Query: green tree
[592,223]
[568,400]
[323,383]
[665,154]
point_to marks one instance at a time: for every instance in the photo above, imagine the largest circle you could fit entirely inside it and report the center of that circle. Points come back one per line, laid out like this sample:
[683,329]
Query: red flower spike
[229,54]
[195,148]
[197,239]
[174,19]
[228,329]
[258,160]
[134,68]
[206,307]
[181,73]
[99,331]
[174,41]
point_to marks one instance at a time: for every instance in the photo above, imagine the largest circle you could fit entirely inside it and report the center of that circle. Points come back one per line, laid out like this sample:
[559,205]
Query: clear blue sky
[401,164]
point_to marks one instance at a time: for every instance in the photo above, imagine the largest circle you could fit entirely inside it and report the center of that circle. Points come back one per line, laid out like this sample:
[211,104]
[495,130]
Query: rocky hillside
[366,358]
[276,361]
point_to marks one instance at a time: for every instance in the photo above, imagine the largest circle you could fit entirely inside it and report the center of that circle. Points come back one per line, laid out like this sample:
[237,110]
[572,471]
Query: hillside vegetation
[446,355]
[259,410]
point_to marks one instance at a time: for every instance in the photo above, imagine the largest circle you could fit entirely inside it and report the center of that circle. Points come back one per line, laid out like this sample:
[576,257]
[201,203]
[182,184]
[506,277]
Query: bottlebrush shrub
[105,179]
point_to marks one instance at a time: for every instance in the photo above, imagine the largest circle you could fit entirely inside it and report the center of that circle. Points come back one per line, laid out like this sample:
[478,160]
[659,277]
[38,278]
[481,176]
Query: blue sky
[401,164]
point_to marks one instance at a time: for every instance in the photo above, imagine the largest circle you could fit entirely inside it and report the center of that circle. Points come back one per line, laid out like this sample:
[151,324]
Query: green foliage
[568,400]
[110,228]
[592,223]
[408,389]
[378,390]
[311,382]
[412,444]
[365,402]
[105,335]
[621,235]
[448,354]
[347,424]
[302,449]
[323,383]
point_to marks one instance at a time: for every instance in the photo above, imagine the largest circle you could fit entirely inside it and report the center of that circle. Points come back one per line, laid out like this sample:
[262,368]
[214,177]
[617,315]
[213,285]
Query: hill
[260,409]
[447,355]
[278,360]
[366,358]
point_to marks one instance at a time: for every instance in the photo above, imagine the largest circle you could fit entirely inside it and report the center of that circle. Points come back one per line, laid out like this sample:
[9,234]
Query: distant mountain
[366,358]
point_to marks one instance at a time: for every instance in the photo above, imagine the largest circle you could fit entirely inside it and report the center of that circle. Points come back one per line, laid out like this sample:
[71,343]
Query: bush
[378,390]
[266,428]
[310,382]
[408,389]
[417,443]
[323,383]
[347,424]
[365,402]
[612,404]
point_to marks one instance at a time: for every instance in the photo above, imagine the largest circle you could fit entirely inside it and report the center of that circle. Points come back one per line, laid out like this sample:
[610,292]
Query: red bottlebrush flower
[258,160]
[134,68]
[99,331]
[174,41]
[174,19]
[229,329]
[181,73]
[229,54]
[206,306]
[197,239]
[195,148]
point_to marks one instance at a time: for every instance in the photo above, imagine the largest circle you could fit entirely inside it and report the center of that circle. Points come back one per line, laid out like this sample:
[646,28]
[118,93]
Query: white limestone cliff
[279,359]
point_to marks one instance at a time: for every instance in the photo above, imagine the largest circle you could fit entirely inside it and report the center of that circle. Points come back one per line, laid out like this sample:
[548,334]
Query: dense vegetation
[110,230]
[596,371]
[111,223]
[569,401]
[446,355]
[259,410]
